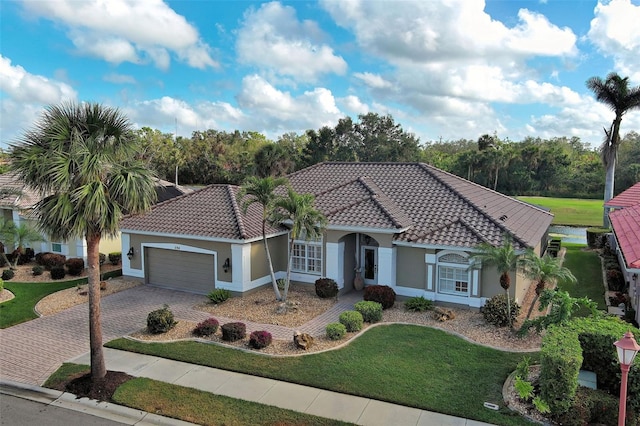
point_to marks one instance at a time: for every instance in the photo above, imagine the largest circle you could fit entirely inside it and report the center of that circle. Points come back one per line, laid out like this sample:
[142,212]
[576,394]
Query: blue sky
[444,69]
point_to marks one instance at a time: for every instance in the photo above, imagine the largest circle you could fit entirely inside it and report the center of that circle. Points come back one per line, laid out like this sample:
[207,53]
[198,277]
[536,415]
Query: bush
[352,320]
[1,284]
[26,257]
[233,331]
[206,327]
[57,272]
[596,237]
[102,258]
[593,406]
[326,288]
[280,282]
[37,270]
[371,311]
[115,257]
[495,311]
[219,295]
[380,293]
[160,320]
[418,304]
[335,331]
[615,280]
[75,266]
[49,260]
[260,339]
[7,274]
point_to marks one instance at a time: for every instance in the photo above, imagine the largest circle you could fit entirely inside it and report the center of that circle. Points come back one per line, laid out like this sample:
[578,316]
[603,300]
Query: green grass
[193,405]
[404,364]
[586,267]
[21,307]
[571,211]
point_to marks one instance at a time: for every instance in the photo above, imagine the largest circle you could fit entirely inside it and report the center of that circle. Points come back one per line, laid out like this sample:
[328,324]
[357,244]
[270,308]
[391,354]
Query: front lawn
[404,364]
[587,268]
[27,295]
[570,211]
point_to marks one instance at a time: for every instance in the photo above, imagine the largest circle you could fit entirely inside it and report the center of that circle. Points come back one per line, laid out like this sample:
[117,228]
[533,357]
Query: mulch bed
[82,386]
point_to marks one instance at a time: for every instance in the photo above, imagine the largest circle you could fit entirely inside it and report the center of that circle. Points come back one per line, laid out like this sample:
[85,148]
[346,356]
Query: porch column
[332,264]
[240,267]
[430,260]
[385,266]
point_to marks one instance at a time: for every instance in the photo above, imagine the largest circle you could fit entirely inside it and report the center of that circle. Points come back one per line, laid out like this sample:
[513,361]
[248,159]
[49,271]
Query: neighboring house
[407,225]
[18,207]
[625,222]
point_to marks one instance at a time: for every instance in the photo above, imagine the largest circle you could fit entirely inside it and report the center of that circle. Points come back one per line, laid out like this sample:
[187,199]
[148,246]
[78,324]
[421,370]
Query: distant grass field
[570,211]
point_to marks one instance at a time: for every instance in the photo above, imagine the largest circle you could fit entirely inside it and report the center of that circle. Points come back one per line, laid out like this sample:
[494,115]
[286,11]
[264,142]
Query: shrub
[7,274]
[371,311]
[352,320]
[75,266]
[593,406]
[102,258]
[495,311]
[160,320]
[26,256]
[380,293]
[206,327]
[37,270]
[326,288]
[418,304]
[336,331]
[280,282]
[233,331]
[1,284]
[219,295]
[115,257]
[57,272]
[596,237]
[260,339]
[49,260]
[615,280]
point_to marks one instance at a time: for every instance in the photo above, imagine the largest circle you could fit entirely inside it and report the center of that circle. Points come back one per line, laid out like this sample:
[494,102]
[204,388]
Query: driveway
[30,352]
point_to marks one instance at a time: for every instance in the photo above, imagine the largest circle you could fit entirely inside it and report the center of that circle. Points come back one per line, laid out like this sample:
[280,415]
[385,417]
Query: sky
[445,70]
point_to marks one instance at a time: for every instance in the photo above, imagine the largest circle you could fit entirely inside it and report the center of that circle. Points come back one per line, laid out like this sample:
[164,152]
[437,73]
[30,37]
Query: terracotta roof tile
[626,225]
[27,197]
[627,198]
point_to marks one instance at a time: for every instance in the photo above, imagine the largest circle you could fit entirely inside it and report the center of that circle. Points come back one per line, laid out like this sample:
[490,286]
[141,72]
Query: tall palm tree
[82,159]
[262,191]
[544,270]
[297,211]
[617,95]
[505,259]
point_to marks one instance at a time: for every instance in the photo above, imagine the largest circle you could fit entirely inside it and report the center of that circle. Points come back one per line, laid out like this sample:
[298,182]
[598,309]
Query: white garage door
[180,270]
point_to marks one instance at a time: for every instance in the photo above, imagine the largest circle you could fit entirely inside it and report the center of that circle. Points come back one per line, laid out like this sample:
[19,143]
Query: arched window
[454,274]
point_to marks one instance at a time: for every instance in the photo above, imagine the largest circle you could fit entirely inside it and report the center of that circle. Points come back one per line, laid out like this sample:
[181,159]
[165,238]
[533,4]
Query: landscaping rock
[442,315]
[302,340]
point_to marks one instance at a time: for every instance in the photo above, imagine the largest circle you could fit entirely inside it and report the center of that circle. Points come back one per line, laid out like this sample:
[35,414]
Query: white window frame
[456,266]
[61,251]
[308,256]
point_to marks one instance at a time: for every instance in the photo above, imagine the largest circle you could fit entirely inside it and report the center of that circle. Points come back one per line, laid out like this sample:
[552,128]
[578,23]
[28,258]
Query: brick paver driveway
[31,351]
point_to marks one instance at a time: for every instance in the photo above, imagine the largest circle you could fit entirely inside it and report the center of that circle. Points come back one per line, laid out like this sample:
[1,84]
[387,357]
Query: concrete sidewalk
[305,399]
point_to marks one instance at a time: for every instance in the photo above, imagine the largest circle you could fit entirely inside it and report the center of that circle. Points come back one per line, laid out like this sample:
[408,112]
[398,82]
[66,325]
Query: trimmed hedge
[382,294]
[371,311]
[584,343]
[352,320]
[206,328]
[160,320]
[260,339]
[326,288]
[335,331]
[233,331]
[75,266]
[7,274]
[596,237]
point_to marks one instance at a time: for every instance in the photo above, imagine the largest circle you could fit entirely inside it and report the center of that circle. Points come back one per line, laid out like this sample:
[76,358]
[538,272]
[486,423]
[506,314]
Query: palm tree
[23,235]
[543,270]
[617,95]
[505,259]
[262,191]
[7,230]
[82,159]
[297,211]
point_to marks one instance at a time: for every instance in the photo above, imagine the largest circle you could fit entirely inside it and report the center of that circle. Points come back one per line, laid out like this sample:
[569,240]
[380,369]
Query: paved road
[18,412]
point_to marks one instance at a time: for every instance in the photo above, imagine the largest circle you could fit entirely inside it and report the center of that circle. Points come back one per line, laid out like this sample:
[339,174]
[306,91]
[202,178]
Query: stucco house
[407,225]
[625,223]
[18,204]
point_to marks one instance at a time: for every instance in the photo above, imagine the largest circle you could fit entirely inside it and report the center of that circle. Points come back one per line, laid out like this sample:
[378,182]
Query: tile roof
[24,200]
[438,208]
[211,212]
[626,226]
[166,190]
[627,198]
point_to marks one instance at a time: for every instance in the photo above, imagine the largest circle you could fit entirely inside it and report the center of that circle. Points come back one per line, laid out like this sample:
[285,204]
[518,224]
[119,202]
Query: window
[56,247]
[453,274]
[307,257]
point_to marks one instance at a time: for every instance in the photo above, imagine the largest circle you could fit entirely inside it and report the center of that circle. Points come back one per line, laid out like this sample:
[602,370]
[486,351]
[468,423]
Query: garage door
[180,270]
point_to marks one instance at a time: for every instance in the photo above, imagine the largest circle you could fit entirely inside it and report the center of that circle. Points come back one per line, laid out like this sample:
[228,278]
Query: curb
[105,410]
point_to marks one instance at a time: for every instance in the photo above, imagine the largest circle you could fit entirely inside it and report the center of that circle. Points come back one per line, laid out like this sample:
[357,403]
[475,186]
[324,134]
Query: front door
[370,264]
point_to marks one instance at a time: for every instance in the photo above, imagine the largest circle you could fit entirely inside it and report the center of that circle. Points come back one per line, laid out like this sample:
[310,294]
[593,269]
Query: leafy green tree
[82,158]
[306,222]
[505,259]
[273,160]
[320,147]
[544,270]
[262,191]
[614,92]
[563,307]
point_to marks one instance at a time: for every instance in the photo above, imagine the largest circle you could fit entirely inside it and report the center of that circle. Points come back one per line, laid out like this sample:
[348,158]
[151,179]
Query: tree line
[561,166]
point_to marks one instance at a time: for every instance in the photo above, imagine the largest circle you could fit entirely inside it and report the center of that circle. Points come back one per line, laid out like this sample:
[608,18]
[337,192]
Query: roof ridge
[377,192]
[474,230]
[333,188]
[500,225]
[236,212]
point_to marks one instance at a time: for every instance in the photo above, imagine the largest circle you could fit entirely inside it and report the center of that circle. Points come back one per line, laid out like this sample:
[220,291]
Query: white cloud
[354,105]
[126,30]
[372,80]
[272,37]
[615,31]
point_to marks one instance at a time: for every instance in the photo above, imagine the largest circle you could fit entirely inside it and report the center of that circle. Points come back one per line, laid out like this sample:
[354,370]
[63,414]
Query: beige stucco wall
[384,240]
[110,245]
[411,270]
[490,281]
[278,249]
